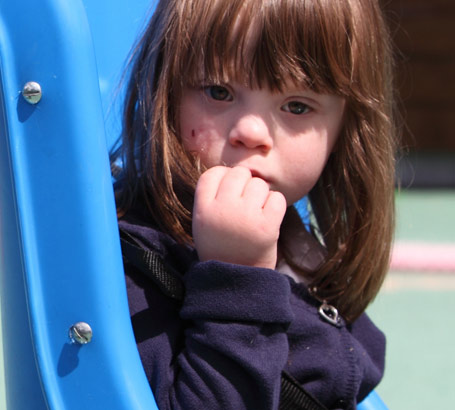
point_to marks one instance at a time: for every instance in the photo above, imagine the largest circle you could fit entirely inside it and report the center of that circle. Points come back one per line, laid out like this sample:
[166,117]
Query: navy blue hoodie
[237,329]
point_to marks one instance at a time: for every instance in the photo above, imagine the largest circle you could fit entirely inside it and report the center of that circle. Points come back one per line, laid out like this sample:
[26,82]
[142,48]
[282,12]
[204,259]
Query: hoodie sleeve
[225,347]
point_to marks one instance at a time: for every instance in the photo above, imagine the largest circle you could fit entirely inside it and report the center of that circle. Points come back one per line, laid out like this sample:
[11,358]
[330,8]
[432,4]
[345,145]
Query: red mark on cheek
[193,134]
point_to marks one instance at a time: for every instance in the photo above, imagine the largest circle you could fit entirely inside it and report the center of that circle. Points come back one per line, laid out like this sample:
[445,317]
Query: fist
[237,218]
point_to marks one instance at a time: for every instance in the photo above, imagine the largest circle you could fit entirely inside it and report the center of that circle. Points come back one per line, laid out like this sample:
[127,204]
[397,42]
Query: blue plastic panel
[60,258]
[115,26]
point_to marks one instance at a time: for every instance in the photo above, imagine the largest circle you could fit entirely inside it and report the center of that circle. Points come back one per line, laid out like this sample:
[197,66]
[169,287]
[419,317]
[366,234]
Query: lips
[257,174]
[254,172]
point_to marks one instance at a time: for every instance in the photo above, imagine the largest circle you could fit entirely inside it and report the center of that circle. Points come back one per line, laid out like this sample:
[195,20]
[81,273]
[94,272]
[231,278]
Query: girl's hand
[237,218]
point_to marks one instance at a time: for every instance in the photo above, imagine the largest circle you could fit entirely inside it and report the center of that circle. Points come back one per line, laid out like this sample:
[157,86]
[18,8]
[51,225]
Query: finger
[208,184]
[233,183]
[275,207]
[256,192]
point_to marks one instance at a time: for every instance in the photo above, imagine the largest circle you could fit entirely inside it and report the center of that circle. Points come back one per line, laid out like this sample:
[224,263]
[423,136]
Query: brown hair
[337,47]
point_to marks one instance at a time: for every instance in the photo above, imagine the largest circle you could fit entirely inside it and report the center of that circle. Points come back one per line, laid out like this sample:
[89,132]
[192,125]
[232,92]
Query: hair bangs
[267,44]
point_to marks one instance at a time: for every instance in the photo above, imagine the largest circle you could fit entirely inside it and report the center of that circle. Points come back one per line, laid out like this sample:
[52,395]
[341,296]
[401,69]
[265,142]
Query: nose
[251,131]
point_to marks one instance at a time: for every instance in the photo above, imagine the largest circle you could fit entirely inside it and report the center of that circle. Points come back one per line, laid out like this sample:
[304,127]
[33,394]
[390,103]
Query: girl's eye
[218,92]
[296,107]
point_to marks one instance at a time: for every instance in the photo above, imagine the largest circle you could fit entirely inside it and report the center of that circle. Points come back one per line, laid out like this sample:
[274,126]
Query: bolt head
[32,92]
[81,333]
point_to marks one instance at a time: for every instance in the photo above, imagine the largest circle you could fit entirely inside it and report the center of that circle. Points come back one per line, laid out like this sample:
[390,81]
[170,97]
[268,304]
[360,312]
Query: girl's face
[285,137]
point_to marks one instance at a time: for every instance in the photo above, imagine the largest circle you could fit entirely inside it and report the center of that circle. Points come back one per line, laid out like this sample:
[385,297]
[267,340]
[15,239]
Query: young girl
[236,110]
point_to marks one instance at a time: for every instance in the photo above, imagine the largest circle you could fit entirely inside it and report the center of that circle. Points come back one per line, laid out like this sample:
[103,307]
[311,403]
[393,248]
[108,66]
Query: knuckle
[240,170]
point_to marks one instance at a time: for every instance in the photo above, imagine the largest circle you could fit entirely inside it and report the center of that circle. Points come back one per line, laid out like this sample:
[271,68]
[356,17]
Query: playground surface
[415,306]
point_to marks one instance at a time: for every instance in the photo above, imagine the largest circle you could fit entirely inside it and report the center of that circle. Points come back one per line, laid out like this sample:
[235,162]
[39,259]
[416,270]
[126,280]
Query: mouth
[256,174]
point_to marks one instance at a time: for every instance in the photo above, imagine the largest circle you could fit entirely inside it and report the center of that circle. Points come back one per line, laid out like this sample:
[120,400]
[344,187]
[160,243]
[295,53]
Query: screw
[32,92]
[81,333]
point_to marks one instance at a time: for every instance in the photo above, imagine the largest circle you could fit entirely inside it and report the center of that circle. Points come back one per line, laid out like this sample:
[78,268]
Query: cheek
[191,139]
[201,143]
[302,168]
[188,123]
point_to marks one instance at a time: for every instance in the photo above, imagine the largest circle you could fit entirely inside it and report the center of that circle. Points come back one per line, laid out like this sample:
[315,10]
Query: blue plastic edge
[17,344]
[372,402]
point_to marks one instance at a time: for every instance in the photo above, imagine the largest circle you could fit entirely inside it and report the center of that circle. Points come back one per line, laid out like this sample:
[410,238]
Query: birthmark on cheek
[193,134]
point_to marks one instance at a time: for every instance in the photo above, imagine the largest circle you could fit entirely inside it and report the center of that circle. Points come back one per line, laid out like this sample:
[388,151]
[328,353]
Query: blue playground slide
[60,260]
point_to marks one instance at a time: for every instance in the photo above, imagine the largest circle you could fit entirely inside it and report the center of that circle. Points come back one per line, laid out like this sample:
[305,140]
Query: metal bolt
[32,92]
[81,333]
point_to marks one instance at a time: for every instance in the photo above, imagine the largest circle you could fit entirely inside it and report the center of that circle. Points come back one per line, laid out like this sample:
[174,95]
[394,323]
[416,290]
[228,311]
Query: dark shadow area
[68,360]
